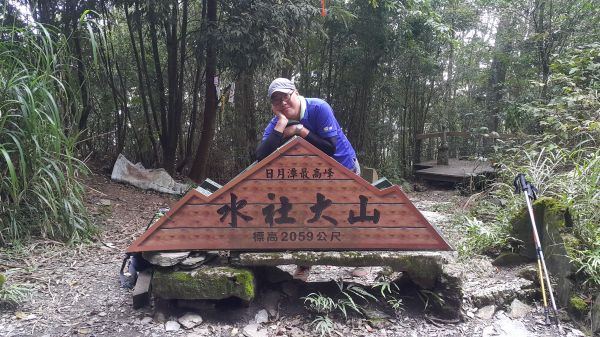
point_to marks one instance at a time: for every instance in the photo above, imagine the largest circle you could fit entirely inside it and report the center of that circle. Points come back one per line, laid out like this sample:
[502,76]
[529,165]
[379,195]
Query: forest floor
[76,289]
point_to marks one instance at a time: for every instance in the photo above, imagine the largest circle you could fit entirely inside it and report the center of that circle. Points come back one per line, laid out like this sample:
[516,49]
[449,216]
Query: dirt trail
[76,289]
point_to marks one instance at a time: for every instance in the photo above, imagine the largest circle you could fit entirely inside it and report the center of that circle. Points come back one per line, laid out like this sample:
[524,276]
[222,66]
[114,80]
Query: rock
[595,313]
[376,318]
[172,326]
[136,175]
[488,331]
[84,331]
[190,320]
[204,283]
[104,202]
[499,294]
[519,309]
[553,224]
[165,259]
[510,259]
[204,332]
[507,327]
[575,333]
[262,316]
[578,306]
[160,317]
[252,330]
[486,312]
[450,290]
[146,320]
[529,273]
[192,262]
[359,272]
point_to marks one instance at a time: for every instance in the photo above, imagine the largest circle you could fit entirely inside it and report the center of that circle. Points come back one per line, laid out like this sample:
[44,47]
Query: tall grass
[39,190]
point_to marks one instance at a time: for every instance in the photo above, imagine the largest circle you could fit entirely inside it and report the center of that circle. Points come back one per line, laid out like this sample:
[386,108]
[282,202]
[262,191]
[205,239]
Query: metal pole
[529,192]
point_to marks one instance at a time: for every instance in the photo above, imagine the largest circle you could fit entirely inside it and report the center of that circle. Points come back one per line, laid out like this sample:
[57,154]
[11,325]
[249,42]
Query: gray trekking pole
[521,184]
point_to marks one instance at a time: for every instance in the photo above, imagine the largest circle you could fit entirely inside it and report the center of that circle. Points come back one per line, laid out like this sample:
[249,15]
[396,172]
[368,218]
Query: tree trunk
[245,112]
[168,156]
[141,84]
[498,73]
[151,92]
[173,115]
[199,168]
[542,26]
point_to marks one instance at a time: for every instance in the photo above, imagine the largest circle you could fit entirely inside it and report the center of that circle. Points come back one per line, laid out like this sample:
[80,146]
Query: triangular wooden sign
[298,198]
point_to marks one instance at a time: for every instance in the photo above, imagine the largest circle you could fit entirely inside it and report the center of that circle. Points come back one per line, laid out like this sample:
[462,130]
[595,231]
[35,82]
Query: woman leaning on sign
[311,119]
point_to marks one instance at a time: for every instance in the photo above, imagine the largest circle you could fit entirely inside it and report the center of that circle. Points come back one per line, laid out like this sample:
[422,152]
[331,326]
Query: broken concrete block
[154,179]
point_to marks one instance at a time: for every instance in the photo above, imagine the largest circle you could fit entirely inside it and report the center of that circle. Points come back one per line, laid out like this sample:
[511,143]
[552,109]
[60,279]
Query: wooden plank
[390,215]
[245,239]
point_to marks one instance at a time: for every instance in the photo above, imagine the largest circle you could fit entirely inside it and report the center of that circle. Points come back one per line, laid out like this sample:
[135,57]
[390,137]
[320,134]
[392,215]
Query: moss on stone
[181,276]
[204,283]
[2,280]
[578,306]
[572,243]
[550,218]
[422,271]
[246,279]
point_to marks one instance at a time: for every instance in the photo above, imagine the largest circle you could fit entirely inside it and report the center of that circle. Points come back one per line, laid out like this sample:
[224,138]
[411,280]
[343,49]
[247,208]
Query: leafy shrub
[39,190]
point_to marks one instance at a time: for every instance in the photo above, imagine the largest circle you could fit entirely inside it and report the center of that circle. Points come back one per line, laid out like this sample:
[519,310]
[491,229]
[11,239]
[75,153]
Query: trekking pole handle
[521,184]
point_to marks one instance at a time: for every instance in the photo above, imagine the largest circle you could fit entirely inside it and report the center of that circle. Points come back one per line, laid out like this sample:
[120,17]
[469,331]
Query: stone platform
[423,268]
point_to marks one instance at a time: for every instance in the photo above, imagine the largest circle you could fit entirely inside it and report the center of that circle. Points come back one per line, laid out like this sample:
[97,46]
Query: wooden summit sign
[297,198]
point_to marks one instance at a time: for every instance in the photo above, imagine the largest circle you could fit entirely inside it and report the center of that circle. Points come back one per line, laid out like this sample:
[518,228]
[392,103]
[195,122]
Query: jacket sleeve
[326,145]
[269,144]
